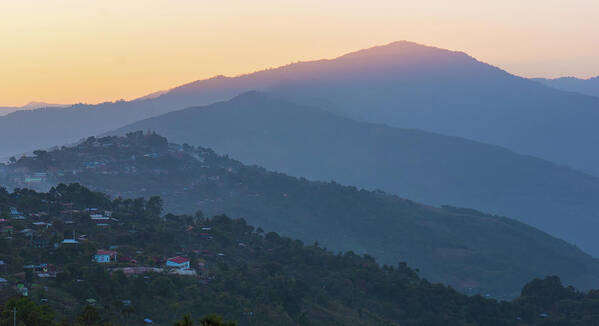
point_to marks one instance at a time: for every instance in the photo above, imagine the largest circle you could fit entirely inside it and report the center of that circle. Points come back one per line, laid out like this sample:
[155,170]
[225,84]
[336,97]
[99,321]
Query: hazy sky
[90,51]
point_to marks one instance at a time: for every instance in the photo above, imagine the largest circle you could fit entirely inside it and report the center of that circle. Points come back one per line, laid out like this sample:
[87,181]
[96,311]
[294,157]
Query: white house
[178,262]
[105,256]
[15,214]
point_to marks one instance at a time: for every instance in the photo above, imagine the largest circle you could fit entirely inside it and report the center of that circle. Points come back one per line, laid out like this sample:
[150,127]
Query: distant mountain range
[4,110]
[472,251]
[401,84]
[588,86]
[309,142]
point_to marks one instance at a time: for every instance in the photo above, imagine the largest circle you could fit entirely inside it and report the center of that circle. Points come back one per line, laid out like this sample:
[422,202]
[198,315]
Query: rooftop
[106,252]
[178,260]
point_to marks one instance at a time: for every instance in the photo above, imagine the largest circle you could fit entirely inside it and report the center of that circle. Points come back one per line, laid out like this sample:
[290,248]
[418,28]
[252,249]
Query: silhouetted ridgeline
[401,84]
[572,84]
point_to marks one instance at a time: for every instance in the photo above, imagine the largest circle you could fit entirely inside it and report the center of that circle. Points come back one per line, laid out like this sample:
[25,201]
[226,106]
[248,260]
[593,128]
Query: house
[99,217]
[105,256]
[178,262]
[42,224]
[22,289]
[27,232]
[70,241]
[15,214]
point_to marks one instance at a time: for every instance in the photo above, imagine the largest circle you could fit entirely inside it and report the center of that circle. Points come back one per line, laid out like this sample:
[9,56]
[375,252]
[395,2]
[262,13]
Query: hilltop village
[54,240]
[136,154]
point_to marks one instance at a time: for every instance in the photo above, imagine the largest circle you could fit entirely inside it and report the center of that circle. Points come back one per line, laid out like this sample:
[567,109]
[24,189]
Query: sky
[72,51]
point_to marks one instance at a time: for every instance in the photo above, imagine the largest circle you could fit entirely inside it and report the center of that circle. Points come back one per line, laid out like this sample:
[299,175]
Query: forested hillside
[472,251]
[234,269]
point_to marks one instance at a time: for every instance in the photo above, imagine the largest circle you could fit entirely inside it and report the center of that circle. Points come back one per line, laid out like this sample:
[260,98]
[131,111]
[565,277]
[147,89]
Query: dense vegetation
[469,250]
[23,311]
[241,272]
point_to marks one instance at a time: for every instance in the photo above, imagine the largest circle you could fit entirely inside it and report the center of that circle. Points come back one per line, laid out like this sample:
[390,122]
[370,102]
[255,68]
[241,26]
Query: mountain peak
[403,53]
[402,49]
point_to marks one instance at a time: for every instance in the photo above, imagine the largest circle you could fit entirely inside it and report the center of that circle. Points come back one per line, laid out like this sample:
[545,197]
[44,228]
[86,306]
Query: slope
[431,168]
[472,251]
[236,270]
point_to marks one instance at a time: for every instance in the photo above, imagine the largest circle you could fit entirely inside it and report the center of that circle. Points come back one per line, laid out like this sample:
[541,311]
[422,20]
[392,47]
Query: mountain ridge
[444,91]
[588,86]
[436,169]
[33,105]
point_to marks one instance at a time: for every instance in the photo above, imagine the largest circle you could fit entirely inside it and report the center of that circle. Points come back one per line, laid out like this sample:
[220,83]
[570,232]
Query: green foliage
[215,320]
[246,275]
[208,320]
[88,317]
[186,321]
[28,313]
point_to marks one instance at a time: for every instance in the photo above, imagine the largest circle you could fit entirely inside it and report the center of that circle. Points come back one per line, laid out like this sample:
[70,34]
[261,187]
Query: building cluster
[38,232]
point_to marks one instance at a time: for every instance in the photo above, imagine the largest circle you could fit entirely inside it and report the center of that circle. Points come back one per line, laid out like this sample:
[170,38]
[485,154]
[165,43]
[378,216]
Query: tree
[28,313]
[162,286]
[186,321]
[215,320]
[154,206]
[127,311]
[88,317]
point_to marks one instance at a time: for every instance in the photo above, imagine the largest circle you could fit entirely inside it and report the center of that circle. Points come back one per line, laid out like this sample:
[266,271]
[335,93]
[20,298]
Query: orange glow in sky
[68,51]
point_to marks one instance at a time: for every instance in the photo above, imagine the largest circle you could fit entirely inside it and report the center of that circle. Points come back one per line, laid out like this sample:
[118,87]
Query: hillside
[572,84]
[224,266]
[401,84]
[472,251]
[426,167]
